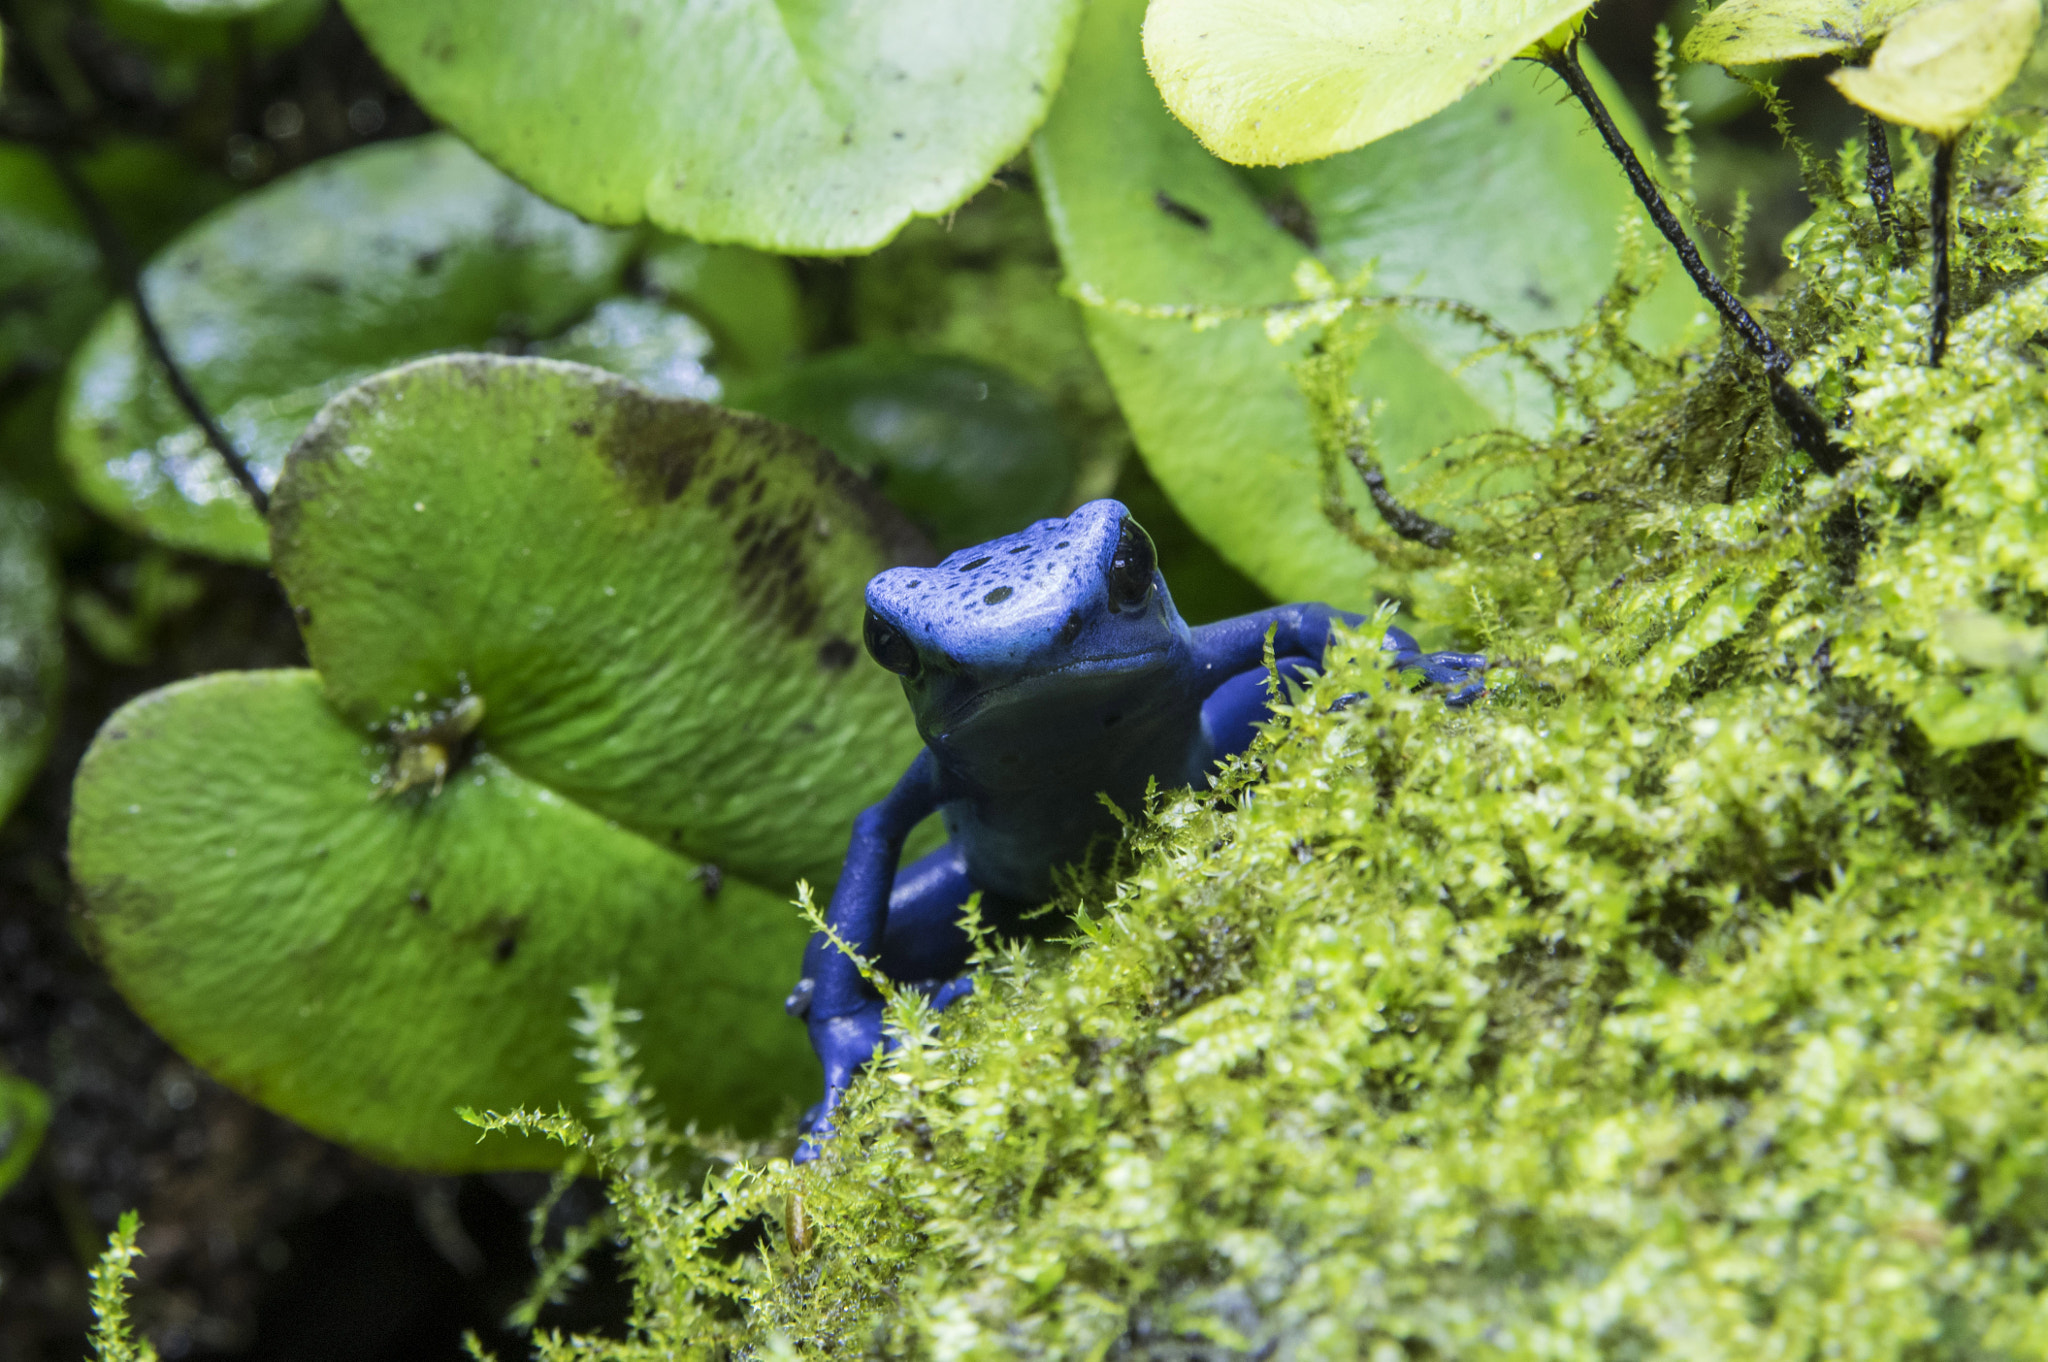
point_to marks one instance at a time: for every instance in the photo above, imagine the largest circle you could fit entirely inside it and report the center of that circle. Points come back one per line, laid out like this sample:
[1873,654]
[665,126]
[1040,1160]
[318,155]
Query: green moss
[1680,1000]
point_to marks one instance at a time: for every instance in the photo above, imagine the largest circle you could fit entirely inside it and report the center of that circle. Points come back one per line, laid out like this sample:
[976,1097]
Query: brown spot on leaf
[836,655]
[583,428]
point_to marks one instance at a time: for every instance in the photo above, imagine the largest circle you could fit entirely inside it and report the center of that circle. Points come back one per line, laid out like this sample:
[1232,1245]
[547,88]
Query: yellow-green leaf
[1943,64]
[1752,32]
[1271,82]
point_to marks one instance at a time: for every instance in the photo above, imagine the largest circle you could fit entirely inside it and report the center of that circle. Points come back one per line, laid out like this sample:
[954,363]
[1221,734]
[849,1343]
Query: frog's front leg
[842,1012]
[1233,652]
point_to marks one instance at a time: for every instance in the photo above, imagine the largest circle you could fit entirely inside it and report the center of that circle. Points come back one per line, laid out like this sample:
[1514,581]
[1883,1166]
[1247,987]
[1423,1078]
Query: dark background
[261,1240]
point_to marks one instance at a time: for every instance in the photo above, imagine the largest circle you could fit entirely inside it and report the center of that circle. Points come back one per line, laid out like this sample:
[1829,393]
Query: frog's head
[1067,608]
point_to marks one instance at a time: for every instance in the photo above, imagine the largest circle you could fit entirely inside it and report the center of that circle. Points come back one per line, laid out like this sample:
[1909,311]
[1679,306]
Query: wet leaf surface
[815,128]
[286,297]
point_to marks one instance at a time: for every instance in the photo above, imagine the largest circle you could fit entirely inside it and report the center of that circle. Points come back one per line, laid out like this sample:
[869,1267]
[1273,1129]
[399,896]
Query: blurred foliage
[24,1116]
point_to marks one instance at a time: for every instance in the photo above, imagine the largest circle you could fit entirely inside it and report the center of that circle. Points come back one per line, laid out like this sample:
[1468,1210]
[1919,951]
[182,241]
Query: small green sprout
[430,744]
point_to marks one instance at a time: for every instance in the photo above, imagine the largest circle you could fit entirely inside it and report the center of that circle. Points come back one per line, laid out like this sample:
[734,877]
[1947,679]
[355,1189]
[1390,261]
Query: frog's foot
[952,991]
[845,1045]
[1465,671]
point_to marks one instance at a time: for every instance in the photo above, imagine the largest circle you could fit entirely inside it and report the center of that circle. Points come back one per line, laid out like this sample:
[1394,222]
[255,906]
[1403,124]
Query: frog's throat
[1022,689]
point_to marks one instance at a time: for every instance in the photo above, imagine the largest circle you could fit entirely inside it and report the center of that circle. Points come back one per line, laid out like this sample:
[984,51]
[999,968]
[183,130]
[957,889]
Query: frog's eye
[887,646]
[1131,567]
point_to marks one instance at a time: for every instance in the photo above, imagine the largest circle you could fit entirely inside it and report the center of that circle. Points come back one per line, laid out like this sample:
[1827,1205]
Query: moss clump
[1682,1000]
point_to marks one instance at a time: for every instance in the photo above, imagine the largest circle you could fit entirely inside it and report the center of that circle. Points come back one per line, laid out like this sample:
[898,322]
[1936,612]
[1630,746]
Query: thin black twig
[126,277]
[1410,525]
[1878,175]
[1944,194]
[1565,61]
[1808,427]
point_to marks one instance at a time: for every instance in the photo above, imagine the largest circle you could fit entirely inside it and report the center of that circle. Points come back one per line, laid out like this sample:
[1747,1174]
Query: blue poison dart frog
[1045,668]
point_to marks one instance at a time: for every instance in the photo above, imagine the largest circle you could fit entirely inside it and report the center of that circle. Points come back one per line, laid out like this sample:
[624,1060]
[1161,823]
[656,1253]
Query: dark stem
[1809,428]
[1944,192]
[1410,525]
[1878,174]
[126,278]
[1565,61]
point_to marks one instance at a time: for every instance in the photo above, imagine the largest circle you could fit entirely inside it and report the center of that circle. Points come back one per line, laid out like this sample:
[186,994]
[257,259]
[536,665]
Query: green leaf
[367,963]
[574,643]
[290,294]
[816,127]
[966,450]
[659,602]
[1502,201]
[31,644]
[24,1116]
[1271,82]
[1753,32]
[1944,63]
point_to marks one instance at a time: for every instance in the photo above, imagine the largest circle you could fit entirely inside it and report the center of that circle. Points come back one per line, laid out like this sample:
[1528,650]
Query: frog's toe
[952,991]
[816,1128]
[1466,671]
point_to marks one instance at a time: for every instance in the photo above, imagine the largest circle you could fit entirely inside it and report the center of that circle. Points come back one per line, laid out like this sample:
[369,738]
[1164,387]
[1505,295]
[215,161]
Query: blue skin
[1044,668]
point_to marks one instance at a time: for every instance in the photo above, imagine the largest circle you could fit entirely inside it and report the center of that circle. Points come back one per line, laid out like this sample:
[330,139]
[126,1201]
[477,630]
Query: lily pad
[366,964]
[966,449]
[816,128]
[1753,32]
[290,294]
[24,1116]
[1943,64]
[1502,201]
[577,645]
[31,644]
[464,522]
[1272,82]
